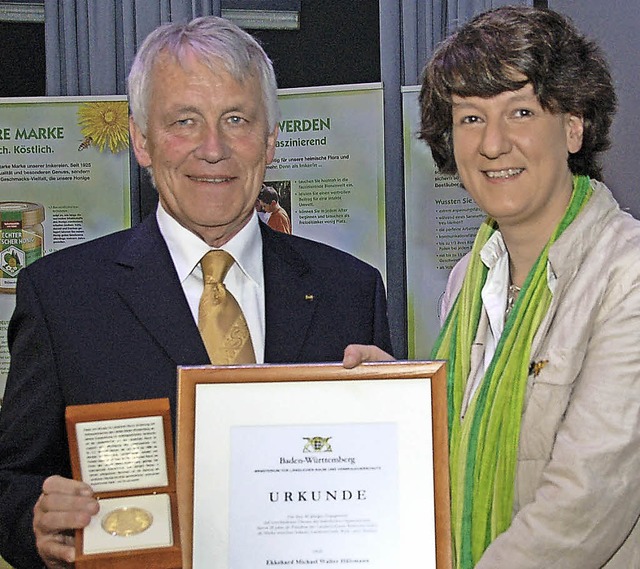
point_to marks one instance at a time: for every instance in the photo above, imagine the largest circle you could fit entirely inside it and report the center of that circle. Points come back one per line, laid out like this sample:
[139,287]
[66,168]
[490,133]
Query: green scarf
[483,447]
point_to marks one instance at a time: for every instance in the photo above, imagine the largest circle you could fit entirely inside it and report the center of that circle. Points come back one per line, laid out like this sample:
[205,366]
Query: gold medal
[127,521]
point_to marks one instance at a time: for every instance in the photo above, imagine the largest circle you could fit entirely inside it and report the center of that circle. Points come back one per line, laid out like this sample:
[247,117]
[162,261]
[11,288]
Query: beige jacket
[577,499]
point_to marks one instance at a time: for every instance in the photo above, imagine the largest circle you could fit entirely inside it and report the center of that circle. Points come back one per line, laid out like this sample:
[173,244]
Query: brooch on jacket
[536,367]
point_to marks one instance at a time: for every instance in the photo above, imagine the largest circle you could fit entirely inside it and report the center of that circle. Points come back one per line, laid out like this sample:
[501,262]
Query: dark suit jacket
[108,321]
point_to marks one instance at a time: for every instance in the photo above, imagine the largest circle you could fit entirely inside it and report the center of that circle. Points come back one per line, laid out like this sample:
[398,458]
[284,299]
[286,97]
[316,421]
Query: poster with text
[64,179]
[329,167]
[441,224]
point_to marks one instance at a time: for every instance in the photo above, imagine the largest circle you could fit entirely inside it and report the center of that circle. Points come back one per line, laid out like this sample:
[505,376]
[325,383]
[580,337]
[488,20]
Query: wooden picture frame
[231,418]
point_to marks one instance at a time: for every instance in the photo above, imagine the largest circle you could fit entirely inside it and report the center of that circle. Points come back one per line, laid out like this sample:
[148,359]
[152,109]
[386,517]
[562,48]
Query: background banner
[64,179]
[441,223]
[329,167]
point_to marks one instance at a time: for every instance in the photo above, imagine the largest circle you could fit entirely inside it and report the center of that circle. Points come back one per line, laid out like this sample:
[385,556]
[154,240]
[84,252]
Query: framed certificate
[314,465]
[124,451]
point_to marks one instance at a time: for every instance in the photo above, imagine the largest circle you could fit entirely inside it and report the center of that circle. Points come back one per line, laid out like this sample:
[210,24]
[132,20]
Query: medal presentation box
[124,451]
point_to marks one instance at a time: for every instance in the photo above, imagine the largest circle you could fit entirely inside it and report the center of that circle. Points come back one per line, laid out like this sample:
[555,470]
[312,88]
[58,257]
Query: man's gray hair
[214,41]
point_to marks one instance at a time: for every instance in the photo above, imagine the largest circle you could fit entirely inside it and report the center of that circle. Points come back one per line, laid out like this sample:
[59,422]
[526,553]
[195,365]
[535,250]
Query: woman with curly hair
[544,313]
[542,324]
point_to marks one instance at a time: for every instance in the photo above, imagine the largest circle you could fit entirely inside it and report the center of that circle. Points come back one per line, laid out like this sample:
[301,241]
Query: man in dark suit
[111,319]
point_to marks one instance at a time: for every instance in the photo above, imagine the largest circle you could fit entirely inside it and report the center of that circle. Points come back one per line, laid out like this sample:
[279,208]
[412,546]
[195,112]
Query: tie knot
[215,265]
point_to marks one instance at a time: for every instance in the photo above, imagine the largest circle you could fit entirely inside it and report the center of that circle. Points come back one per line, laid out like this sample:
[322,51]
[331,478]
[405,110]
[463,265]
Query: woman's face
[512,154]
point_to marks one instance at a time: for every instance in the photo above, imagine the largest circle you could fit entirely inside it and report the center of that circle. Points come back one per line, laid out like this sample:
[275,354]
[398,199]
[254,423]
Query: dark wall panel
[338,43]
[22,65]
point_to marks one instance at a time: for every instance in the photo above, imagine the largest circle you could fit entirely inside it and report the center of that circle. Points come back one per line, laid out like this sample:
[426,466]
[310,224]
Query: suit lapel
[147,282]
[290,298]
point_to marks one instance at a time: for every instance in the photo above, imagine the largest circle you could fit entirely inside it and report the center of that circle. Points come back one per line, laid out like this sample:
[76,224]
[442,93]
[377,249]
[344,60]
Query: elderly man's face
[207,143]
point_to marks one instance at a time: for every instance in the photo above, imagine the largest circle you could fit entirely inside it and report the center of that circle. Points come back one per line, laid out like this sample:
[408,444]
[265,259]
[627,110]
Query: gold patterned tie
[220,320]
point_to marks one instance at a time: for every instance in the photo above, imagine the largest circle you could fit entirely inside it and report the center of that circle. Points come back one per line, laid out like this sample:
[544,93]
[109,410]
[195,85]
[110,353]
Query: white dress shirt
[245,279]
[495,256]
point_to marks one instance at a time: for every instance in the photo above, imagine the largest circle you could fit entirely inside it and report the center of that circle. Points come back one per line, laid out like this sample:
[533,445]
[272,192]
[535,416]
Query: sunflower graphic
[104,123]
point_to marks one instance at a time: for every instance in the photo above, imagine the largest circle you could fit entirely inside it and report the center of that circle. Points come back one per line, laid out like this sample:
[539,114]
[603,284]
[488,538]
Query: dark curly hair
[490,54]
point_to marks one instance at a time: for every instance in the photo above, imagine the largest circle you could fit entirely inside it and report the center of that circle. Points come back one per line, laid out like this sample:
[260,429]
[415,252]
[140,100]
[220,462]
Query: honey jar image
[21,240]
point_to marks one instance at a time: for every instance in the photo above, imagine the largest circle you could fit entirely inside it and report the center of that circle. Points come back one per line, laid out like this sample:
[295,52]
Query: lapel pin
[308,297]
[536,367]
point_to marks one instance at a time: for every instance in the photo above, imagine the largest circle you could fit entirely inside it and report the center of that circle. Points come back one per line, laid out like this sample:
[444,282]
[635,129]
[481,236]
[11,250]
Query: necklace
[512,294]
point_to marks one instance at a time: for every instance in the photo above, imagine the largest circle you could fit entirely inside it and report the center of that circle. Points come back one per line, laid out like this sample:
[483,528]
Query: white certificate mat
[320,493]
[311,471]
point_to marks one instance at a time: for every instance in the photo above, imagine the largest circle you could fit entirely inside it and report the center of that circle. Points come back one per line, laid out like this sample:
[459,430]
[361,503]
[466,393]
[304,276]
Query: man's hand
[64,506]
[355,354]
